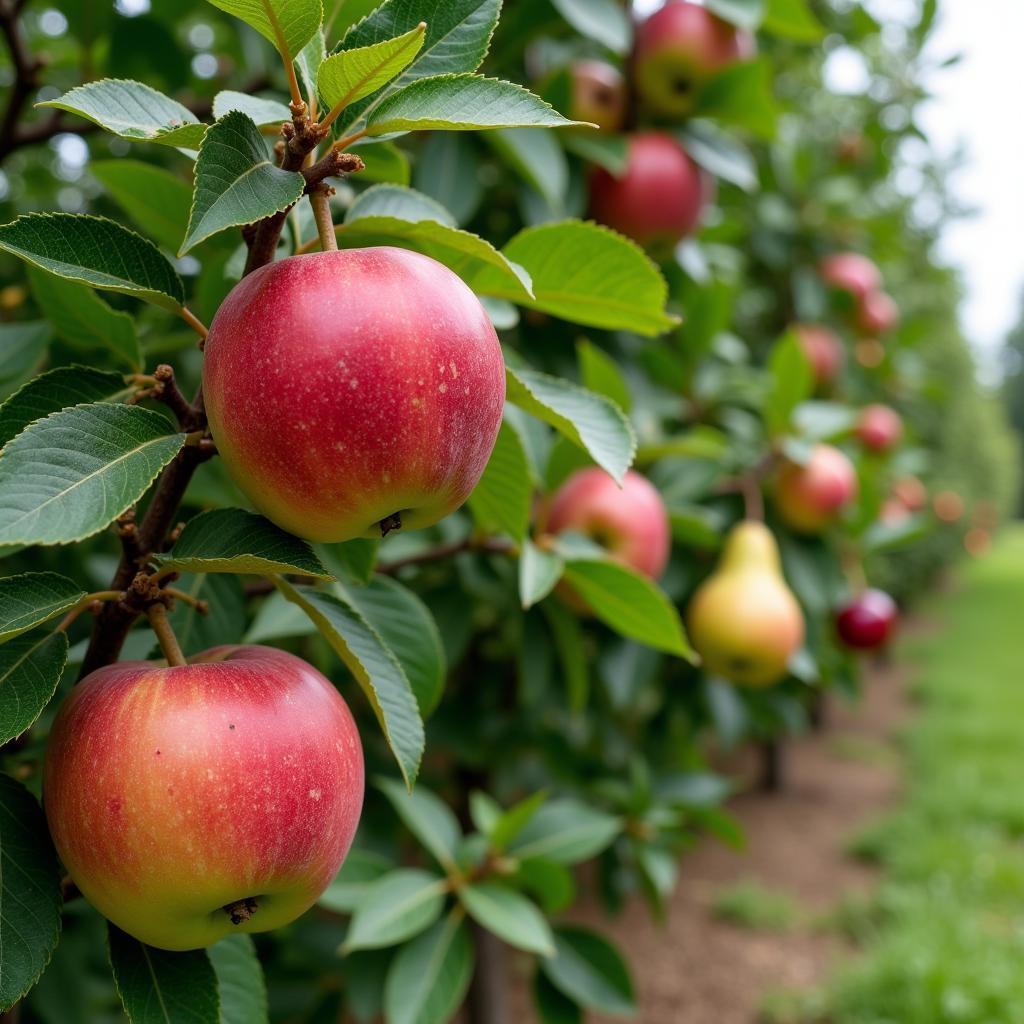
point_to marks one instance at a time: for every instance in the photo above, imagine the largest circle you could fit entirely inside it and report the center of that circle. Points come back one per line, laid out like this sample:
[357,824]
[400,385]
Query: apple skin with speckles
[172,793]
[630,522]
[343,388]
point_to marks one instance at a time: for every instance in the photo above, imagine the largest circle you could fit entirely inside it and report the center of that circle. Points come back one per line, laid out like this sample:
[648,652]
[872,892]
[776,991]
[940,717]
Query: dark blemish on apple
[231,726]
[682,86]
[158,753]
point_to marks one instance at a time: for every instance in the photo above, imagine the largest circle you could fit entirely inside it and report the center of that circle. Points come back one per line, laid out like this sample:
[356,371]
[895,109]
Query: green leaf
[458,35]
[429,978]
[793,19]
[155,199]
[744,13]
[590,421]
[83,319]
[30,899]
[22,348]
[604,21]
[69,475]
[536,155]
[567,633]
[589,970]
[539,571]
[351,75]
[742,96]
[408,629]
[791,382]
[157,987]
[608,151]
[240,984]
[600,373]
[629,603]
[94,251]
[53,391]
[720,154]
[448,170]
[384,162]
[464,102]
[133,111]
[552,1006]
[509,915]
[309,59]
[361,867]
[428,817]
[237,181]
[553,885]
[375,667]
[396,907]
[265,113]
[502,499]
[32,598]
[515,819]
[293,21]
[30,669]
[386,214]
[567,832]
[587,274]
[232,540]
[225,621]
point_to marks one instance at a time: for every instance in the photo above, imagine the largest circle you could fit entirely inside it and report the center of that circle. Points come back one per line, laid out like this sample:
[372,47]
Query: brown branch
[26,74]
[491,545]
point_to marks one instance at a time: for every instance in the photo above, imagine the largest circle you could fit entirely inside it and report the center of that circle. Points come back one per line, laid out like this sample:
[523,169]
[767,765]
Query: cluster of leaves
[587,736]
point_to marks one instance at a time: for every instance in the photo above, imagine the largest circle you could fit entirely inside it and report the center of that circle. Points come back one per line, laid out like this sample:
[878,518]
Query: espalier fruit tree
[371,426]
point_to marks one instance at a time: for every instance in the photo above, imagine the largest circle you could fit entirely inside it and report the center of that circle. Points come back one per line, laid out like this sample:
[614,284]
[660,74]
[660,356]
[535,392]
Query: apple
[824,352]
[597,95]
[911,492]
[810,497]
[877,313]
[677,49]
[192,802]
[660,197]
[868,621]
[948,507]
[852,273]
[353,392]
[879,428]
[893,512]
[630,522]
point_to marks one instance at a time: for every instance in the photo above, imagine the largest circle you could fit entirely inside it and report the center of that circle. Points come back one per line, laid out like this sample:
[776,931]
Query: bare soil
[698,969]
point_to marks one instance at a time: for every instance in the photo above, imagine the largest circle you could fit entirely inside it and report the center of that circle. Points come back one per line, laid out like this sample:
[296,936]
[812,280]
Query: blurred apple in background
[868,621]
[879,428]
[812,496]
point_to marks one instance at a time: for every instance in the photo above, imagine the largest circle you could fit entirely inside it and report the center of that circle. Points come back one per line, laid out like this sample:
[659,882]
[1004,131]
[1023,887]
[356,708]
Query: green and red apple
[191,802]
[354,391]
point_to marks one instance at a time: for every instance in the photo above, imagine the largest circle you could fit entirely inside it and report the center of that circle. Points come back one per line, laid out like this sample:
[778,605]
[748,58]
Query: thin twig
[320,201]
[90,601]
[194,322]
[491,545]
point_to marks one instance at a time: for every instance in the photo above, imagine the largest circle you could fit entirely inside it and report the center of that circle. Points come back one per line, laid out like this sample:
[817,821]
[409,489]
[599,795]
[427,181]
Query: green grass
[749,904]
[942,941]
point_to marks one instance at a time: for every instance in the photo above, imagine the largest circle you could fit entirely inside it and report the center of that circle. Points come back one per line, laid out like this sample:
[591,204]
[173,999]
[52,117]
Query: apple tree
[469,431]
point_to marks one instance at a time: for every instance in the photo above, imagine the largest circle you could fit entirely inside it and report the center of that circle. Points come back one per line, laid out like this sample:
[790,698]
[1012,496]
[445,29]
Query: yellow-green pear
[744,621]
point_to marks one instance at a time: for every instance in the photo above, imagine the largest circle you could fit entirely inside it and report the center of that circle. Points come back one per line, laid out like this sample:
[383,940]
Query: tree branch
[26,74]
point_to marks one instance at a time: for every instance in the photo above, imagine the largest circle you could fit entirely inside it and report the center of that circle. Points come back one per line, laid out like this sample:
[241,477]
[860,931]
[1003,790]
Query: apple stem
[241,910]
[157,615]
[753,499]
[319,199]
[391,522]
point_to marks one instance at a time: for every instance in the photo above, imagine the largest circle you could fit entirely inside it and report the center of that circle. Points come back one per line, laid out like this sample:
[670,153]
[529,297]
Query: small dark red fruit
[868,621]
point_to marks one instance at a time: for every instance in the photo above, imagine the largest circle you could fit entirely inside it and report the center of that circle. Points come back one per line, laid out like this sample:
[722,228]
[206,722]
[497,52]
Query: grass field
[942,940]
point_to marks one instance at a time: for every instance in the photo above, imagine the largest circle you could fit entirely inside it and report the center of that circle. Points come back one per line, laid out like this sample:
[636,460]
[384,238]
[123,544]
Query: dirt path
[698,969]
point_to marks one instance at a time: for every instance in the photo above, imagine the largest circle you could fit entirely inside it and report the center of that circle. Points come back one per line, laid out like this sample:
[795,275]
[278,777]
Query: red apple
[824,351]
[678,48]
[811,497]
[354,391]
[911,493]
[630,521]
[660,198]
[879,428]
[893,512]
[877,313]
[598,95]
[868,621]
[192,802]
[850,272]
